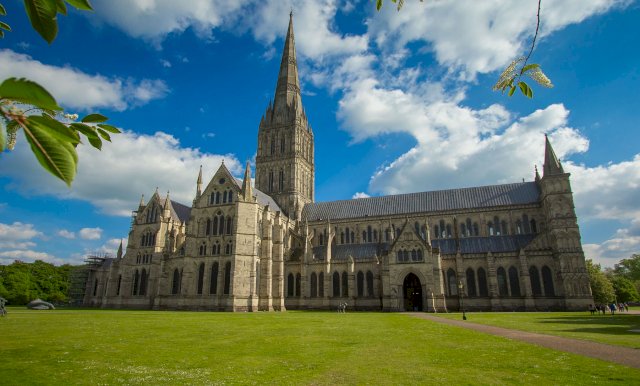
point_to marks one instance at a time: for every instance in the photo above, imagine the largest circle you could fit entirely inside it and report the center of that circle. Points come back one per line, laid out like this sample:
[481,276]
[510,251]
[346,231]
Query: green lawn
[135,347]
[611,329]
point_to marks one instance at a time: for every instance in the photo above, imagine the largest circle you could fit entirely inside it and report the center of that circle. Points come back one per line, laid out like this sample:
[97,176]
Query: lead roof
[434,201]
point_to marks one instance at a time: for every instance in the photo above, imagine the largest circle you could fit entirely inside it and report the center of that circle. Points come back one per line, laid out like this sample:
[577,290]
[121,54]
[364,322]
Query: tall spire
[199,183]
[119,253]
[288,87]
[551,165]
[246,184]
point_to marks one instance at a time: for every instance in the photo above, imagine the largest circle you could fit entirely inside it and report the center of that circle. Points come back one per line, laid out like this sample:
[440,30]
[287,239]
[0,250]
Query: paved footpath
[622,355]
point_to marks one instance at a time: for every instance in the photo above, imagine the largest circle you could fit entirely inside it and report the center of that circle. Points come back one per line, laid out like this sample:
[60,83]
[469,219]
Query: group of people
[611,307]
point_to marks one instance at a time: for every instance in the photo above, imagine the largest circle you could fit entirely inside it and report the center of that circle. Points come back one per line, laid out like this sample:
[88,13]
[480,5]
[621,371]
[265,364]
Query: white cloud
[16,245]
[155,19]
[473,36]
[90,233]
[74,89]
[621,245]
[315,33]
[111,247]
[66,234]
[360,195]
[607,191]
[29,256]
[113,179]
[18,231]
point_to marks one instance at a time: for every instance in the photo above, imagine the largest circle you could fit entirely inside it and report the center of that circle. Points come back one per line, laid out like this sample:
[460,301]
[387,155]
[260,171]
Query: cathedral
[271,247]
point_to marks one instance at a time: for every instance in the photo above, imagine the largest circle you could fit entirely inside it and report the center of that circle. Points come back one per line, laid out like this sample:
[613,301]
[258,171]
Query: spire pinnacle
[551,165]
[288,87]
[199,183]
[246,183]
[119,254]
[166,202]
[141,201]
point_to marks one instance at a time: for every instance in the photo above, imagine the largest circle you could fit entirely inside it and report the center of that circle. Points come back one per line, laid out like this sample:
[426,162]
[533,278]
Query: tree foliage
[629,268]
[25,105]
[22,282]
[624,289]
[601,287]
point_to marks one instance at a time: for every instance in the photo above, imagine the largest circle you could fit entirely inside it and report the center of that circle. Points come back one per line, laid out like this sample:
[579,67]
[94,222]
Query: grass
[148,347]
[611,329]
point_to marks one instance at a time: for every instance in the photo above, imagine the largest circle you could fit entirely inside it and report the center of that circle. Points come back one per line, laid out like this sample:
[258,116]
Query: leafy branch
[52,135]
[399,2]
[512,75]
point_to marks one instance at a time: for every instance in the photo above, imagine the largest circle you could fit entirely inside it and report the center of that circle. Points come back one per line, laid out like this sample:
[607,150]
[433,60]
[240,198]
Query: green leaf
[57,157]
[56,129]
[1,33]
[511,90]
[378,4]
[3,136]
[5,26]
[25,91]
[104,135]
[61,7]
[93,118]
[3,12]
[529,67]
[109,128]
[42,14]
[90,133]
[526,90]
[80,4]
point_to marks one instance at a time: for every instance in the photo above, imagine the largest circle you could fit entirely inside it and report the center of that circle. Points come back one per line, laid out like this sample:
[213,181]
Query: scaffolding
[79,275]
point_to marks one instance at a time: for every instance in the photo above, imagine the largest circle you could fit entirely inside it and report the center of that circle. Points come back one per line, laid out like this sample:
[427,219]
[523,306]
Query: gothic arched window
[290,284]
[452,282]
[345,284]
[535,281]
[314,285]
[336,284]
[227,278]
[503,289]
[514,281]
[370,283]
[547,280]
[471,282]
[213,280]
[175,285]
[200,279]
[360,284]
[482,282]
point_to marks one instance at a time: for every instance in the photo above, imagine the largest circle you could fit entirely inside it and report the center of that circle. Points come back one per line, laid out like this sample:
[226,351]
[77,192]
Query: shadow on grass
[622,324]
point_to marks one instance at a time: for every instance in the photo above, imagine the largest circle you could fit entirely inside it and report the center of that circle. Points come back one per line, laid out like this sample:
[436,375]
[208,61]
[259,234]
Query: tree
[22,282]
[624,289]
[601,287]
[511,77]
[629,268]
[25,105]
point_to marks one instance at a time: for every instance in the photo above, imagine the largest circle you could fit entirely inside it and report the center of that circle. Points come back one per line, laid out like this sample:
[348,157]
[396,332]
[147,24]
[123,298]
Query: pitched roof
[357,251]
[493,244]
[435,201]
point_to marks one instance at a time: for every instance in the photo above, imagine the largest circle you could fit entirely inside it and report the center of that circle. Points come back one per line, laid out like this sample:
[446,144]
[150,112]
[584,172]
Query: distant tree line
[618,284]
[22,282]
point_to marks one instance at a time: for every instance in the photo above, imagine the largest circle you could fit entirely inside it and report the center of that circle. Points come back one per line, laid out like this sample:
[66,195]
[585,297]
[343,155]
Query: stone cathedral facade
[239,247]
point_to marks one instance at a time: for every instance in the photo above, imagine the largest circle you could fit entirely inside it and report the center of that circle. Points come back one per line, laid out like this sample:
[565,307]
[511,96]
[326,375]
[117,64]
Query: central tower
[284,161]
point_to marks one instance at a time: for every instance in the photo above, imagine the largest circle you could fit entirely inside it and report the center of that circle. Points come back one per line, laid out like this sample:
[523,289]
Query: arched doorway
[412,290]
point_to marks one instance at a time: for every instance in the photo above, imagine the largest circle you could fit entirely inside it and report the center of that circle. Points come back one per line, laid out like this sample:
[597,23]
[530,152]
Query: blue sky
[398,101]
